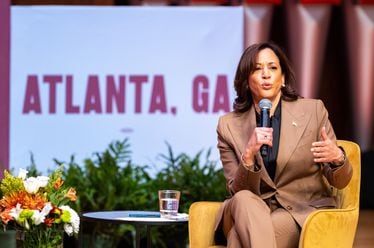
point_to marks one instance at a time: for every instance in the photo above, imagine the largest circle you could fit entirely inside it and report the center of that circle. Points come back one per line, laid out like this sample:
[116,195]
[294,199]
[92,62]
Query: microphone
[265,106]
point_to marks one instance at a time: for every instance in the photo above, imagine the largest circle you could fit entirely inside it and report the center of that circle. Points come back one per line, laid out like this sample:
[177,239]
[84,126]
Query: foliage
[109,181]
[196,179]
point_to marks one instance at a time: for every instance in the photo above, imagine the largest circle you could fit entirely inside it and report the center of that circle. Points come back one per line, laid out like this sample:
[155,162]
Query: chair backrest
[337,227]
[350,195]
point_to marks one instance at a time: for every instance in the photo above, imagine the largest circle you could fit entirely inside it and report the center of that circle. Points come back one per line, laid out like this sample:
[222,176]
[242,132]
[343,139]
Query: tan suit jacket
[300,185]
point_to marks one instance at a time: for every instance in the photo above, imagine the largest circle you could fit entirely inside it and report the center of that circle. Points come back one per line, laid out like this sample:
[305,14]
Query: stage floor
[365,231]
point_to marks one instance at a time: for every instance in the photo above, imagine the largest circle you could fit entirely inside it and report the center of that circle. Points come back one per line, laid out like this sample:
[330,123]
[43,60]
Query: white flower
[22,173]
[47,208]
[73,225]
[43,181]
[32,184]
[14,212]
[39,216]
[27,225]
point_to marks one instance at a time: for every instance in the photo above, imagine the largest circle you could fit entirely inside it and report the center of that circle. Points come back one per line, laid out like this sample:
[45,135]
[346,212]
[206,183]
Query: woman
[271,195]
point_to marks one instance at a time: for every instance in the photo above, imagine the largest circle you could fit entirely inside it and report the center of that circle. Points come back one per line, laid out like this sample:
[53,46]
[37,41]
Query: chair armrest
[202,218]
[323,228]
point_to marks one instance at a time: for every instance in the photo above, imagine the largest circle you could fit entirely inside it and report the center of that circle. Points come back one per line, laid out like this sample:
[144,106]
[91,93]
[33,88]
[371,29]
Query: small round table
[136,218]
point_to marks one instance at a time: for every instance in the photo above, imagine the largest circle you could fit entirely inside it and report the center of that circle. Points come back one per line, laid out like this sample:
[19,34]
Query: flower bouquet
[37,208]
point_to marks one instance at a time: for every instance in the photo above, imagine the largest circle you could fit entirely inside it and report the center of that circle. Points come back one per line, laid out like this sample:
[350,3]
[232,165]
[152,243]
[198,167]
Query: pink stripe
[336,2]
[4,84]
[263,1]
[365,1]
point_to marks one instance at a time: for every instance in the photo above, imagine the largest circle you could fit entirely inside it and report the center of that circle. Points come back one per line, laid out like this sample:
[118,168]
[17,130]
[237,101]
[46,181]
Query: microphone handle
[265,122]
[264,150]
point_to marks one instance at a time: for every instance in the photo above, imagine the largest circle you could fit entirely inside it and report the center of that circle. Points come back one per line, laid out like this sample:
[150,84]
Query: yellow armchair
[327,228]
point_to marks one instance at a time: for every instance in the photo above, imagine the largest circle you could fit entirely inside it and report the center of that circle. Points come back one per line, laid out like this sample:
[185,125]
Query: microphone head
[265,104]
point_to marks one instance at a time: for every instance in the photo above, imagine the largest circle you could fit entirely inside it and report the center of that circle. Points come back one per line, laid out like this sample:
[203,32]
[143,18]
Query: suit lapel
[294,122]
[243,127]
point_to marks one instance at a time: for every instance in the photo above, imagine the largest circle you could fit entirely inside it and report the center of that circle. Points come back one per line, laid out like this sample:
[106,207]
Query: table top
[134,217]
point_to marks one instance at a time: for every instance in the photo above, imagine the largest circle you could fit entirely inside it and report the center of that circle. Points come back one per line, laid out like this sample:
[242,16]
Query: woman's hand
[326,151]
[260,136]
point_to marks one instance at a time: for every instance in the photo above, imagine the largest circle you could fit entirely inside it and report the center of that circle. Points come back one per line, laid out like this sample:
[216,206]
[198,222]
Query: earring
[283,85]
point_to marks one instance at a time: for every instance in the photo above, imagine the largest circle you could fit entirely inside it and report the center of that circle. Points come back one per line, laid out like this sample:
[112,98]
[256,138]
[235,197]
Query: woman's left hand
[326,151]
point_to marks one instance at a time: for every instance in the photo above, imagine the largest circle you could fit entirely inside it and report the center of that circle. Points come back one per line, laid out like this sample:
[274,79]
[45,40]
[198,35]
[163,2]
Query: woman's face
[266,80]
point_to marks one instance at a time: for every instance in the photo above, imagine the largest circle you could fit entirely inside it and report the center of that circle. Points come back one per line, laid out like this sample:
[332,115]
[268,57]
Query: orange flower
[58,183]
[71,194]
[5,217]
[48,221]
[35,201]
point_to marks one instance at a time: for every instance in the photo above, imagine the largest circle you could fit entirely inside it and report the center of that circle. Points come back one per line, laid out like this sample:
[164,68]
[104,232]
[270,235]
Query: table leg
[80,234]
[137,236]
[149,240]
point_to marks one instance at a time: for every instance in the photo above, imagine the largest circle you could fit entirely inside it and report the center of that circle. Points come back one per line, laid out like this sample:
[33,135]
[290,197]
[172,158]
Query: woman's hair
[246,66]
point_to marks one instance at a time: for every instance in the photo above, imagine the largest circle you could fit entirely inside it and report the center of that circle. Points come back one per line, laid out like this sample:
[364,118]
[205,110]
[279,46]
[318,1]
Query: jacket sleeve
[238,177]
[340,176]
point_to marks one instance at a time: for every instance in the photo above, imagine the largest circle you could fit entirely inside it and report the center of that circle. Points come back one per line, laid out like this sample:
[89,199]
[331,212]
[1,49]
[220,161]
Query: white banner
[82,77]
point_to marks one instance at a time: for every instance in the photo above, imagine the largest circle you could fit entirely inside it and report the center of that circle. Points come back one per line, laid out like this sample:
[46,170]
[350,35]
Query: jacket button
[289,208]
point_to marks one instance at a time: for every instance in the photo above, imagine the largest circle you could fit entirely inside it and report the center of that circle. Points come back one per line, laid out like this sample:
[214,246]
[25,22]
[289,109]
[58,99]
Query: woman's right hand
[260,136]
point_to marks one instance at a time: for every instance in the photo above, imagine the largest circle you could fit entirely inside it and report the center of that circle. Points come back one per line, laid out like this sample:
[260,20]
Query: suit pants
[250,222]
